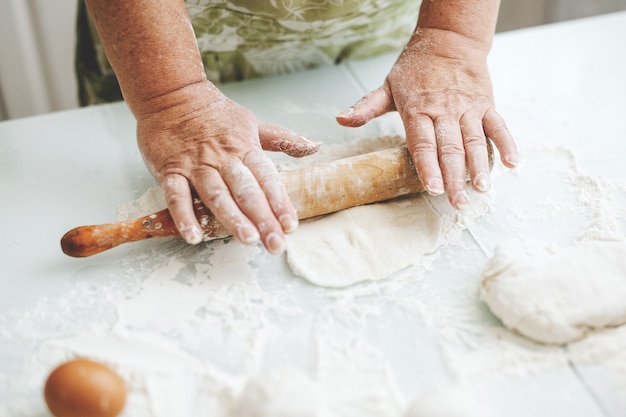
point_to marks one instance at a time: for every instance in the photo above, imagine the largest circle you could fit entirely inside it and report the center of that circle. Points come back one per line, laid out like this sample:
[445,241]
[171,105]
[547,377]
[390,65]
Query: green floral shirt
[241,39]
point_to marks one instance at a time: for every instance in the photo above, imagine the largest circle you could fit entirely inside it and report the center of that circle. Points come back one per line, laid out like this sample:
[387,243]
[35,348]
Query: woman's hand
[196,140]
[441,88]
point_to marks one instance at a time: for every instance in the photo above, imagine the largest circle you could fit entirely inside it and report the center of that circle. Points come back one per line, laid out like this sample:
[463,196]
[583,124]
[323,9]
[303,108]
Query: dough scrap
[556,295]
[280,393]
[364,243]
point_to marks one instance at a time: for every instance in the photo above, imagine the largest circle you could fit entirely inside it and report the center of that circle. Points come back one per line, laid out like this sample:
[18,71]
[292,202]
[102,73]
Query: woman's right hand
[196,139]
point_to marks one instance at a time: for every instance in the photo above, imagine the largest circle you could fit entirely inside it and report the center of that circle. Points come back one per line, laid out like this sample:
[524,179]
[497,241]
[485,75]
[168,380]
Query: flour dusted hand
[191,136]
[198,140]
[441,88]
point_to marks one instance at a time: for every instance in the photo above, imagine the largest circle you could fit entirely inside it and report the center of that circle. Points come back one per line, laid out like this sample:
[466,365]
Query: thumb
[374,104]
[279,139]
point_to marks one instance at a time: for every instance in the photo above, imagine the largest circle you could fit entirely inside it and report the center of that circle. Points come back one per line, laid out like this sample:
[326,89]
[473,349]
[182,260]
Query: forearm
[469,21]
[151,47]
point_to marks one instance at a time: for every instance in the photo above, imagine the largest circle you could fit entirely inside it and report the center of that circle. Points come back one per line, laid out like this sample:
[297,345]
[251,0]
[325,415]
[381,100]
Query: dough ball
[451,401]
[556,295]
[279,393]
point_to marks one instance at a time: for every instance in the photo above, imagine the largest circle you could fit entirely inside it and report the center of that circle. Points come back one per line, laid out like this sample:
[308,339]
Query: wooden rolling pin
[314,191]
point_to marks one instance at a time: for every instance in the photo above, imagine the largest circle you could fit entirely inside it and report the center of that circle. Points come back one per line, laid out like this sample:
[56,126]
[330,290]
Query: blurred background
[37,47]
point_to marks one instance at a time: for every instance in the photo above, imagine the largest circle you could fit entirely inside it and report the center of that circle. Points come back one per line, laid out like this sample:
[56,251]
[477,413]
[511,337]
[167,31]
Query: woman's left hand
[441,88]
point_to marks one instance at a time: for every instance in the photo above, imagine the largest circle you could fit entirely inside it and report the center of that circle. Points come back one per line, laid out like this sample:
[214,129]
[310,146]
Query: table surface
[561,89]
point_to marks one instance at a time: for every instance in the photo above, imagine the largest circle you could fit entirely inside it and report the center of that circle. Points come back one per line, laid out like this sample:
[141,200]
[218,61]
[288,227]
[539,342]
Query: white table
[561,89]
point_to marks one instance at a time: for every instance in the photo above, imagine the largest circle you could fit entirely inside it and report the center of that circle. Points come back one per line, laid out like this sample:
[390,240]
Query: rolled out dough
[556,295]
[364,243]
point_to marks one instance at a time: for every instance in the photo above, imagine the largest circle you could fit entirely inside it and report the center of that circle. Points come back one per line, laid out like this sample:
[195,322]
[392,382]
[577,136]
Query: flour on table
[450,401]
[364,243]
[557,295]
[151,201]
[601,358]
[279,393]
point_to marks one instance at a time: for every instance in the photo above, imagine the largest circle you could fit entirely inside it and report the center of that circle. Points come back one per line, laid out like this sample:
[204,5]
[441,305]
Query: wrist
[448,44]
[472,23]
[177,101]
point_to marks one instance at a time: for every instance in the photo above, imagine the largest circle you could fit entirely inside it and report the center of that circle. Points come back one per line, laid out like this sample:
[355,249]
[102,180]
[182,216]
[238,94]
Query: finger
[214,193]
[374,104]
[422,145]
[452,160]
[279,139]
[253,202]
[270,182]
[179,201]
[496,129]
[476,157]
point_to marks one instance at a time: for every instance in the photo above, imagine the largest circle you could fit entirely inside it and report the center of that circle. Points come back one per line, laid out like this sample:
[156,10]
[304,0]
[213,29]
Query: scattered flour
[450,401]
[151,201]
[280,393]
[597,197]
[601,356]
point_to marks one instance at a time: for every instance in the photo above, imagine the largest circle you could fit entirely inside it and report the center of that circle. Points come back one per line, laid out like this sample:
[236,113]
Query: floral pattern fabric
[241,39]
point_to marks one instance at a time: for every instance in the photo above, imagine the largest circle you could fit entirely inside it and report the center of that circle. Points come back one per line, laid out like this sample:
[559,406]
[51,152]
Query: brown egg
[83,388]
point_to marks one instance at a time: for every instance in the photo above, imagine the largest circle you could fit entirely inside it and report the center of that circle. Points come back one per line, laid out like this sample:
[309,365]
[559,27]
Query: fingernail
[482,182]
[249,235]
[511,159]
[275,243]
[191,234]
[308,140]
[435,186]
[346,113]
[460,200]
[314,145]
[288,222]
